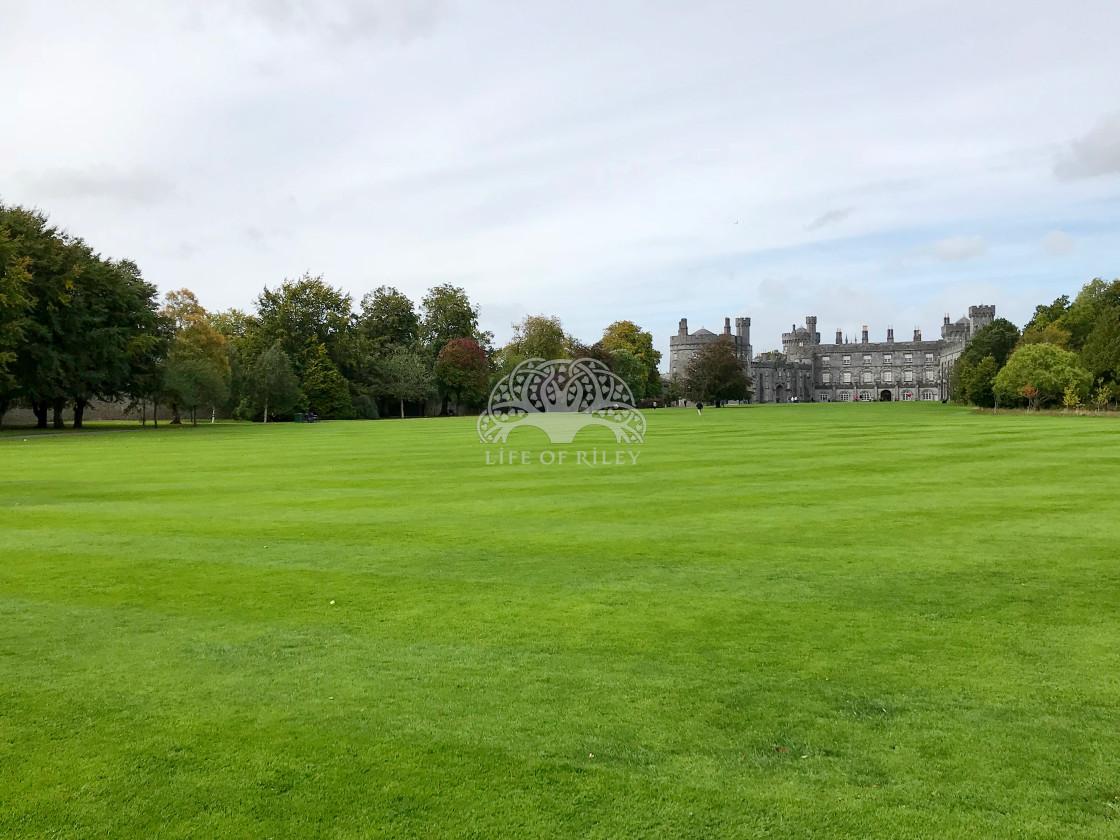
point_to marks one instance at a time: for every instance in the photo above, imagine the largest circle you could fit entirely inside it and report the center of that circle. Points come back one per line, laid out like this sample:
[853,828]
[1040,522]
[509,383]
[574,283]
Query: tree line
[77,327]
[1068,354]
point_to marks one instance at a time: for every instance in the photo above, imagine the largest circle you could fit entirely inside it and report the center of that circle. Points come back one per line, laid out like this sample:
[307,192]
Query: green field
[833,621]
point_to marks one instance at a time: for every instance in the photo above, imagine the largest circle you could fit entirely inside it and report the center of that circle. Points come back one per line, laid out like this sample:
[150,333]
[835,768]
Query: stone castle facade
[807,370]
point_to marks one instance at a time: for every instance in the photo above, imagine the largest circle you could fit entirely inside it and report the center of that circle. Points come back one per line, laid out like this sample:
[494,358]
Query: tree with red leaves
[461,372]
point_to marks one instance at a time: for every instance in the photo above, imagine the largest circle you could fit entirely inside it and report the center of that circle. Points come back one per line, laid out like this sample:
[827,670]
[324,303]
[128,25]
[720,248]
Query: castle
[845,371]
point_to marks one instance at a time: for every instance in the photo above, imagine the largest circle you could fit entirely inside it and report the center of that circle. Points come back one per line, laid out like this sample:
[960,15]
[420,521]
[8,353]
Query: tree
[1053,333]
[325,389]
[715,373]
[447,313]
[977,382]
[1103,394]
[997,339]
[303,315]
[1095,298]
[1043,368]
[1071,399]
[626,335]
[1044,315]
[461,371]
[1101,352]
[195,382]
[538,336]
[273,383]
[388,317]
[198,370]
[15,304]
[403,375]
[54,263]
[632,369]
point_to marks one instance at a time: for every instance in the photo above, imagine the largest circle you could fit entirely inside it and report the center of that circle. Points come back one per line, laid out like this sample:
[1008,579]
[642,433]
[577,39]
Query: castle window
[825,360]
[865,377]
[847,359]
[826,377]
[845,396]
[907,396]
[888,376]
[928,395]
[865,396]
[908,357]
[908,376]
[886,358]
[846,377]
[929,358]
[931,376]
[867,358]
[823,397]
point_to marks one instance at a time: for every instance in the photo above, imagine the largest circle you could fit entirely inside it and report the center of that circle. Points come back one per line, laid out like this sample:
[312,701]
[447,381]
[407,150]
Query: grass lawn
[832,621]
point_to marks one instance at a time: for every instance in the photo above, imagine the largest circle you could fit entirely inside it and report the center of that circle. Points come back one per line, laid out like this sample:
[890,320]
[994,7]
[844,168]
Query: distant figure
[699,409]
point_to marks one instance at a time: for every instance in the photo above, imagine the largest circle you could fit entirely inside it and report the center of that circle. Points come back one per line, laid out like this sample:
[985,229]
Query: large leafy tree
[972,376]
[54,263]
[638,343]
[1101,352]
[303,315]
[1095,298]
[389,317]
[15,304]
[242,334]
[447,313]
[198,370]
[715,373]
[461,372]
[538,336]
[90,329]
[1041,373]
[997,339]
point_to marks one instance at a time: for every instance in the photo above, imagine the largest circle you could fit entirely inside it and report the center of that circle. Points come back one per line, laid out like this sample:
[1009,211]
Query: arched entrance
[779,393]
[884,395]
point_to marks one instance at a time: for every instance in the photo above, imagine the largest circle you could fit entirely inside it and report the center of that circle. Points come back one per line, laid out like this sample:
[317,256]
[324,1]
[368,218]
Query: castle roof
[703,331]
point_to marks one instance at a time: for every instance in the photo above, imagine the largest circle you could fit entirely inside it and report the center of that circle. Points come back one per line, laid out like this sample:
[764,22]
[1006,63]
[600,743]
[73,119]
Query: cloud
[1056,243]
[1096,153]
[830,218]
[957,248]
[343,21]
[99,183]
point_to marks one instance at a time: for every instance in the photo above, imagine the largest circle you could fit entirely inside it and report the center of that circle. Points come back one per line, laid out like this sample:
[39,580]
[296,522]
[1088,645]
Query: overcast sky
[865,161]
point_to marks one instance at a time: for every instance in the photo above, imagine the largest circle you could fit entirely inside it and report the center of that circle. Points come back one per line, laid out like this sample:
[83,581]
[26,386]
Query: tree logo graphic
[560,397]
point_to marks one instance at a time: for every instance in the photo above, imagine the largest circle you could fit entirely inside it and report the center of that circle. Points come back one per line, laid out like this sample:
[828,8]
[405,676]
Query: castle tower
[979,317]
[743,339]
[811,325]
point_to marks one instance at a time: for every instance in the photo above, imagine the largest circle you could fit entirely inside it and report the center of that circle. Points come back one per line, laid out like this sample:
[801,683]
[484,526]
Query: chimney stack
[839,338]
[683,328]
[917,334]
[890,334]
[727,326]
[865,333]
[946,319]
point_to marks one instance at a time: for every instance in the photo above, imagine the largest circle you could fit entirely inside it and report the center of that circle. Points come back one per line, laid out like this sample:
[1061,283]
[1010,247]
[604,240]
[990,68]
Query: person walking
[699,409]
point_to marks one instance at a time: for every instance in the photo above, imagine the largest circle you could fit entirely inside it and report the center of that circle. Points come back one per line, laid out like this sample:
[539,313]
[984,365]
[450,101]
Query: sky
[868,162]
